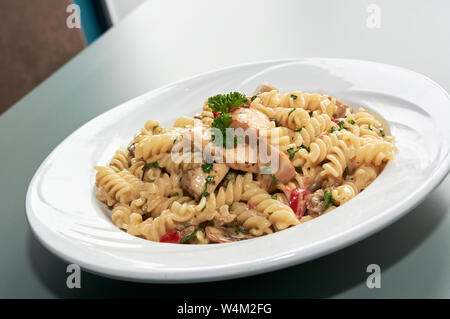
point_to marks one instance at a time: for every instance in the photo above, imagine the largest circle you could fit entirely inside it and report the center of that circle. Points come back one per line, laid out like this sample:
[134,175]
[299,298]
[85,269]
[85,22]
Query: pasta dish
[246,166]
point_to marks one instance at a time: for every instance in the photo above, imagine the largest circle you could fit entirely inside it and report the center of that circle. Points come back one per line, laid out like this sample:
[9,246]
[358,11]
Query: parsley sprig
[328,199]
[224,104]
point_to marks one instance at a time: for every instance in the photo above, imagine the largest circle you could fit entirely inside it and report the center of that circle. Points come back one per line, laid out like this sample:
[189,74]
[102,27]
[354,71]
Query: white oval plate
[66,217]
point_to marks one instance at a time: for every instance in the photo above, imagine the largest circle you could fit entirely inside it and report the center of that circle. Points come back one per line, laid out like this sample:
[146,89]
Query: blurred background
[34,42]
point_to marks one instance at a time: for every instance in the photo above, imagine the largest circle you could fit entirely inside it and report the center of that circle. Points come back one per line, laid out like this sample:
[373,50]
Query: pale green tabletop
[152,47]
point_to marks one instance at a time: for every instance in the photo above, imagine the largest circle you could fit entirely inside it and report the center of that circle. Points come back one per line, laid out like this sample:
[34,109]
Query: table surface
[163,41]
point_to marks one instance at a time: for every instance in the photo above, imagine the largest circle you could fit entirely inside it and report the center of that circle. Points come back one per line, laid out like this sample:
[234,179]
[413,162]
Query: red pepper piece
[297,201]
[172,237]
[335,121]
[251,206]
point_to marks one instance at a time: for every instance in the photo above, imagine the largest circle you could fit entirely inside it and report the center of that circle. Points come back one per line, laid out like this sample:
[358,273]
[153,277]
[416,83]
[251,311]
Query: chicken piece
[265,87]
[223,217]
[314,203]
[341,109]
[246,158]
[243,158]
[195,180]
[198,136]
[248,118]
[286,170]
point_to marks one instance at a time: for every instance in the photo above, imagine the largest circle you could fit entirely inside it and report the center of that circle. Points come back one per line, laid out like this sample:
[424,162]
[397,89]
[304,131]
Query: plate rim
[352,236]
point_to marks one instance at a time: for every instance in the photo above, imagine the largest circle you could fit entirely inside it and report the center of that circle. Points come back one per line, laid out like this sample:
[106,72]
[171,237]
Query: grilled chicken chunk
[195,180]
[248,118]
[265,87]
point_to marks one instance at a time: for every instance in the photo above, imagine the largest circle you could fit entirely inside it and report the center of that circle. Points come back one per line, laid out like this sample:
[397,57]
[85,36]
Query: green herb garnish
[253,98]
[341,126]
[299,129]
[207,167]
[230,175]
[352,122]
[274,197]
[274,178]
[225,102]
[328,199]
[204,194]
[210,180]
[382,132]
[289,114]
[293,96]
[292,150]
[345,172]
[221,122]
[190,236]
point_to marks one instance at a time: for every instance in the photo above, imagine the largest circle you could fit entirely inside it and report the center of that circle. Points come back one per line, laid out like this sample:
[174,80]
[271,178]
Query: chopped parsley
[190,236]
[204,194]
[274,178]
[274,197]
[334,128]
[253,98]
[294,97]
[239,230]
[146,166]
[345,172]
[292,150]
[341,126]
[289,114]
[299,129]
[207,167]
[352,122]
[382,132]
[328,199]
[221,122]
[175,140]
[370,128]
[226,102]
[208,180]
[230,176]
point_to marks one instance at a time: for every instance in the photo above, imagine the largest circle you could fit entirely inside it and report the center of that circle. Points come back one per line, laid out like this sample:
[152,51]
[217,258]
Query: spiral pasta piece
[156,144]
[296,99]
[345,192]
[254,222]
[281,215]
[337,160]
[375,152]
[116,186]
[120,161]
